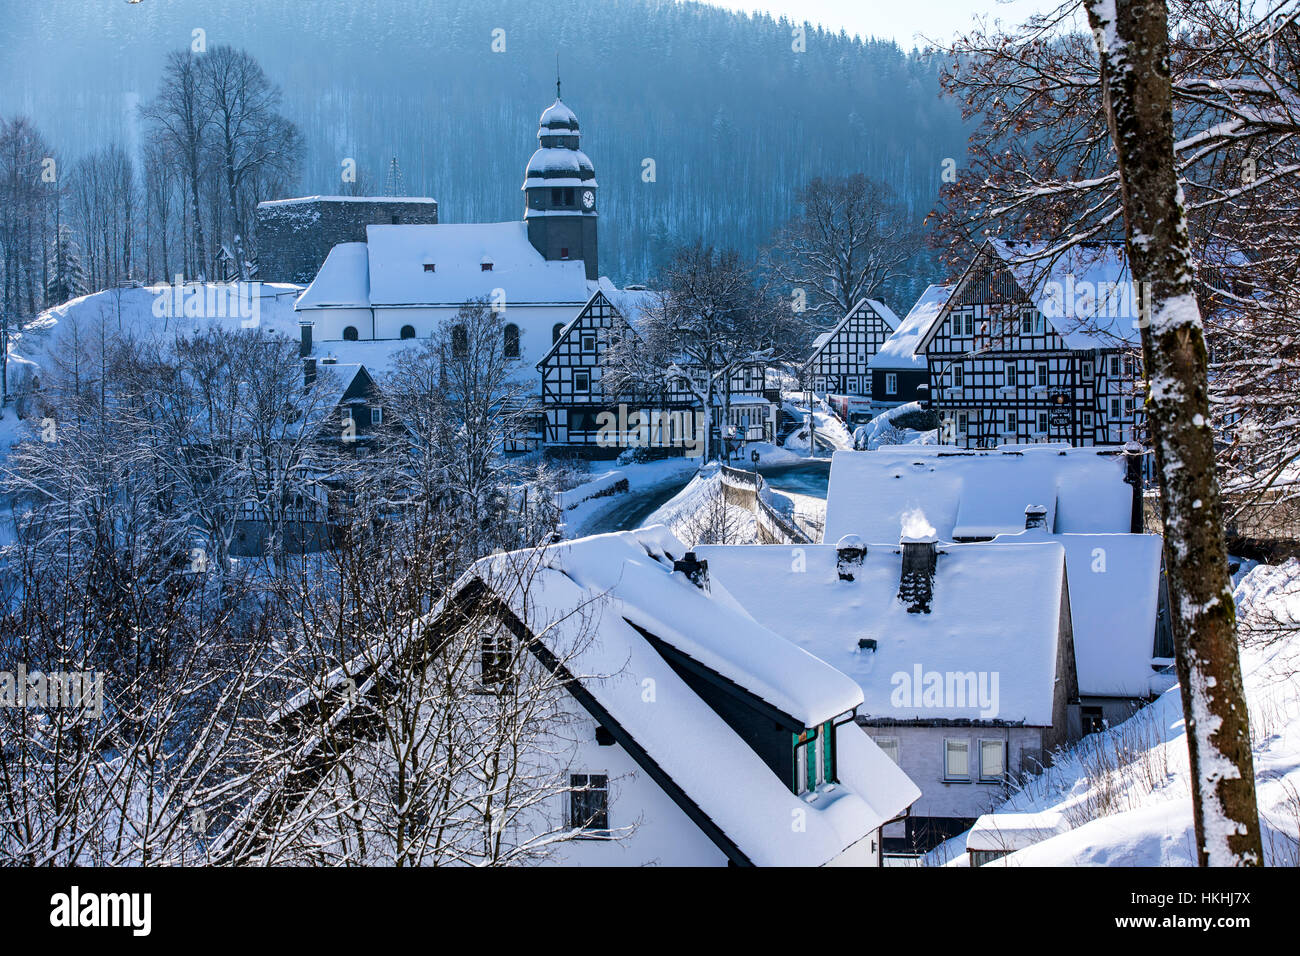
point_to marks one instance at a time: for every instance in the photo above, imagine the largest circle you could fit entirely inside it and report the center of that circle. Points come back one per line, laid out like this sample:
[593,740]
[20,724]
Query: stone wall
[295,235]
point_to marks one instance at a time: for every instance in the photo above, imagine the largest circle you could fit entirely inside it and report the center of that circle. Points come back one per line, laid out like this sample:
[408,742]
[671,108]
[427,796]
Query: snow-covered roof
[1085,292]
[899,351]
[976,493]
[1114,598]
[343,280]
[558,116]
[995,611]
[397,256]
[300,200]
[620,582]
[1014,831]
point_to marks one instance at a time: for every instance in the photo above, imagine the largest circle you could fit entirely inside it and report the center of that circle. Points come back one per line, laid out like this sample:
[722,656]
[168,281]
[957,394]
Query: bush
[922,420]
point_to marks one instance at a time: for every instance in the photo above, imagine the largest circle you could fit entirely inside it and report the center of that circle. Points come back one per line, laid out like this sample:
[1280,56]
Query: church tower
[560,185]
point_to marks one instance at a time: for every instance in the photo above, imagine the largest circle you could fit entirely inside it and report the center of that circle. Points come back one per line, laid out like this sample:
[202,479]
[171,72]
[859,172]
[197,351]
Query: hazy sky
[902,20]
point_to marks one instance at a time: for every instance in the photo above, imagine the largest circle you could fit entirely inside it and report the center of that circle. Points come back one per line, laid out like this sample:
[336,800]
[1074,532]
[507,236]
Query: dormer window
[485,266]
[814,758]
[430,267]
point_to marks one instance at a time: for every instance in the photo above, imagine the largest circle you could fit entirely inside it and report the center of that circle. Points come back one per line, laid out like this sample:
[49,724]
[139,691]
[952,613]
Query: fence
[745,490]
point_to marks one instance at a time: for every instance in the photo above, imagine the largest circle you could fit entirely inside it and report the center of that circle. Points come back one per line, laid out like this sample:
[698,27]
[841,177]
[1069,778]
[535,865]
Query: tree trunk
[1134,39]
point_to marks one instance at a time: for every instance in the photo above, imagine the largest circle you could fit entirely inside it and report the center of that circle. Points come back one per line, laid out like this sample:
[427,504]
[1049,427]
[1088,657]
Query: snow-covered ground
[645,481]
[1125,793]
[698,514]
[830,430]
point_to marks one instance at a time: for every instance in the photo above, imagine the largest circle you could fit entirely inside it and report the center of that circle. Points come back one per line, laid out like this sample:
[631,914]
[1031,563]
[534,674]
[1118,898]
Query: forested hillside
[734,119]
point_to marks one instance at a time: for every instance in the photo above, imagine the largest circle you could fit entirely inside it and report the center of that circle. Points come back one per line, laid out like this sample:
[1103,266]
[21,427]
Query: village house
[1035,347]
[744,733]
[898,370]
[576,405]
[840,359]
[964,654]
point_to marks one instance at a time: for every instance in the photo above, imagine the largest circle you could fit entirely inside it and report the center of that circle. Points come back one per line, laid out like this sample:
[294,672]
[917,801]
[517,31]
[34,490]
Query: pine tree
[67,276]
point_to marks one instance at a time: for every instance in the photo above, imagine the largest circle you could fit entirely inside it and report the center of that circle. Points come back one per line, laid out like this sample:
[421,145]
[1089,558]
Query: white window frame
[963,422]
[1114,408]
[949,745]
[1042,373]
[1002,747]
[1012,421]
[586,378]
[376,415]
[1043,422]
[1010,374]
[958,377]
[891,383]
[1086,373]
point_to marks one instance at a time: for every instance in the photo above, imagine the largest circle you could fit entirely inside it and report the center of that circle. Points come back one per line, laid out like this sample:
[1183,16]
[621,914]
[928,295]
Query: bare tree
[851,238]
[1134,43]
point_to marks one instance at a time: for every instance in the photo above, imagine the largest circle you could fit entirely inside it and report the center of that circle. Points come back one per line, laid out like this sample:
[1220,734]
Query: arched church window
[408,332]
[459,340]
[350,333]
[512,341]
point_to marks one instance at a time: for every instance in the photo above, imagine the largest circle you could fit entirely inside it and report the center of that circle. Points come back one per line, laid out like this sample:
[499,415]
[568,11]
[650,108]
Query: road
[630,510]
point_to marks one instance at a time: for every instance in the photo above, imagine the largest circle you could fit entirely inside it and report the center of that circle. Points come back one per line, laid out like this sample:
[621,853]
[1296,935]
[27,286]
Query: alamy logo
[210,300]
[74,909]
[66,689]
[657,428]
[924,690]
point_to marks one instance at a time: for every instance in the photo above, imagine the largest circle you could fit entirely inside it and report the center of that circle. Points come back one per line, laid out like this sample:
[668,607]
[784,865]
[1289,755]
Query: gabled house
[1037,347]
[964,654]
[574,397]
[898,369]
[702,738]
[840,359]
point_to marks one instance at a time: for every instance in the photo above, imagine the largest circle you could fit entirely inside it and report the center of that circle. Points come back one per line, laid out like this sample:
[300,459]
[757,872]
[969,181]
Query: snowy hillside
[1125,793]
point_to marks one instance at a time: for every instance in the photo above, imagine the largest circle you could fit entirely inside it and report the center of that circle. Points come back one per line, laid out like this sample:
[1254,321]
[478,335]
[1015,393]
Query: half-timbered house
[840,360]
[1032,347]
[574,397]
[898,369]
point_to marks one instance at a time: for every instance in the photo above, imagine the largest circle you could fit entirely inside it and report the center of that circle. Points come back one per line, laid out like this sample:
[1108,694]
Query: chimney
[308,373]
[849,554]
[697,572]
[916,583]
[1133,476]
[1036,517]
[304,345]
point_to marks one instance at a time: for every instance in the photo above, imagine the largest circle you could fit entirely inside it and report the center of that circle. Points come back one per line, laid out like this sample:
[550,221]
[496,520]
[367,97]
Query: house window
[1114,366]
[564,252]
[580,421]
[828,753]
[1042,422]
[1093,721]
[1042,374]
[589,341]
[1027,323]
[956,760]
[1009,374]
[581,381]
[512,341]
[495,658]
[992,761]
[891,383]
[1128,408]
[556,331]
[962,419]
[430,267]
[958,376]
[749,378]
[408,332]
[1128,365]
[1087,371]
[1114,408]
[376,416]
[805,760]
[589,803]
[1011,422]
[350,333]
[890,746]
[1087,419]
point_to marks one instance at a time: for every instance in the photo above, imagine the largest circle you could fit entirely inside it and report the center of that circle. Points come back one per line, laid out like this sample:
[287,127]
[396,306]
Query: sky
[904,21]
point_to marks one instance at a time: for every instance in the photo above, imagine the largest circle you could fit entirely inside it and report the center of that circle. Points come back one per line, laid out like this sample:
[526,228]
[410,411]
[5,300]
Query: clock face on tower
[588,199]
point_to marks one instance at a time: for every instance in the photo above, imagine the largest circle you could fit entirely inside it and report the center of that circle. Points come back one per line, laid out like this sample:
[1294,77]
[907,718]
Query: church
[405,279]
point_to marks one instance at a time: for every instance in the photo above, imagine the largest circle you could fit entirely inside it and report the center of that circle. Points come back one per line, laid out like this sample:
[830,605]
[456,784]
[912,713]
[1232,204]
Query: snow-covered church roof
[994,609]
[899,351]
[976,493]
[431,265]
